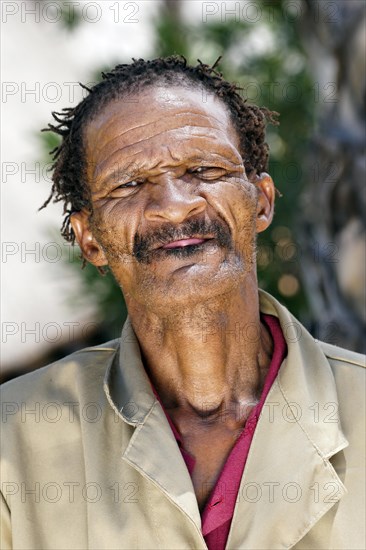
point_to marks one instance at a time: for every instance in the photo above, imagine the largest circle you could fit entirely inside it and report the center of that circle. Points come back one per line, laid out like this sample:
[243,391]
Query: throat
[226,421]
[209,448]
[210,414]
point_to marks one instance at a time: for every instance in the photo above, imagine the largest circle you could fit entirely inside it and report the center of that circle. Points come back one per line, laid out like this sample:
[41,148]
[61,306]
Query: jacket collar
[306,382]
[283,491]
[126,383]
[289,482]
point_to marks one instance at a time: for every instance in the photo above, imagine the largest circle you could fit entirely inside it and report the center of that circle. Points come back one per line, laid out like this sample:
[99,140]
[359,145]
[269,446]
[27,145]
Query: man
[215,420]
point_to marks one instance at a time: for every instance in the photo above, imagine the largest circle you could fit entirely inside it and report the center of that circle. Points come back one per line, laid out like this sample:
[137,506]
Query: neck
[209,359]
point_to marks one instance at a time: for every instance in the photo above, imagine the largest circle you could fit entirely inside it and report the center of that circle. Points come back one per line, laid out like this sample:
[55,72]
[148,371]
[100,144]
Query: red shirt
[219,509]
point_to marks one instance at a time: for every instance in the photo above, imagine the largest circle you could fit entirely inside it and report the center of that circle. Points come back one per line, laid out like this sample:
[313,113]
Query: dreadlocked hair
[69,163]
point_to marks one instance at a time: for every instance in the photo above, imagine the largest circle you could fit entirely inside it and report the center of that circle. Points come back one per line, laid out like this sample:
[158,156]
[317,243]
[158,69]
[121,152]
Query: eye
[125,189]
[208,172]
[201,169]
[129,184]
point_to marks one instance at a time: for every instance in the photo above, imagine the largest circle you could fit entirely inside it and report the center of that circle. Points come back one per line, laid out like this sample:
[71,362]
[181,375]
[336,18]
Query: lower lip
[184,242]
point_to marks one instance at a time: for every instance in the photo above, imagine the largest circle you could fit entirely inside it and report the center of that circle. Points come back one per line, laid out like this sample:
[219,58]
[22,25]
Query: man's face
[174,214]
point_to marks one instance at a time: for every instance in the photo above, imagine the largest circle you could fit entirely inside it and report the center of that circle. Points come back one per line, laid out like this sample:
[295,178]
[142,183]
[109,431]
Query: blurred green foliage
[266,59]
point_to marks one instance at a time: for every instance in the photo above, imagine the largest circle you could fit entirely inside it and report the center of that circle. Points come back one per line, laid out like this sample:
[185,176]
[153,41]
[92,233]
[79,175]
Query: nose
[173,200]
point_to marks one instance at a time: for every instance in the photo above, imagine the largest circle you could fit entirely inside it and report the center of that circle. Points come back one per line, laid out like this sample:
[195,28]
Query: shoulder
[348,368]
[46,414]
[341,357]
[62,376]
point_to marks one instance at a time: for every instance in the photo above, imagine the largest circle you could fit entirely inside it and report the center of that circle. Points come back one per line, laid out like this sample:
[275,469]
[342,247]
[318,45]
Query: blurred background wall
[305,59]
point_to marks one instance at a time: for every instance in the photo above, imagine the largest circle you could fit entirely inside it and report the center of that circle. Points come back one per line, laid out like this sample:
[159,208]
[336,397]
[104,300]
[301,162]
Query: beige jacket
[88,464]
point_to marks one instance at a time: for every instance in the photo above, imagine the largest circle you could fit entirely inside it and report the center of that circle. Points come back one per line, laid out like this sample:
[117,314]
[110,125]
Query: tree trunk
[332,226]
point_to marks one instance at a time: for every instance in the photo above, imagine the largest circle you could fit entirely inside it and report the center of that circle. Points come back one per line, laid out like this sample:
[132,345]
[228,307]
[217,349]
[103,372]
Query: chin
[190,285]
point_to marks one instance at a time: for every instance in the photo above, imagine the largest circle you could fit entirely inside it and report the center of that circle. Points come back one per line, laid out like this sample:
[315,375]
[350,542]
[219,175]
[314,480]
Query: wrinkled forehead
[158,111]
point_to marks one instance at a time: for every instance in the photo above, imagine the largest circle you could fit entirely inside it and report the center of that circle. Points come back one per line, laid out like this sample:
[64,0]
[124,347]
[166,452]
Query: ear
[89,246]
[266,200]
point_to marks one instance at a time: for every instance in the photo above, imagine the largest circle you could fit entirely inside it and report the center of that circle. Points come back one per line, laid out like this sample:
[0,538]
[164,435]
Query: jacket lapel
[154,452]
[152,449]
[289,482]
